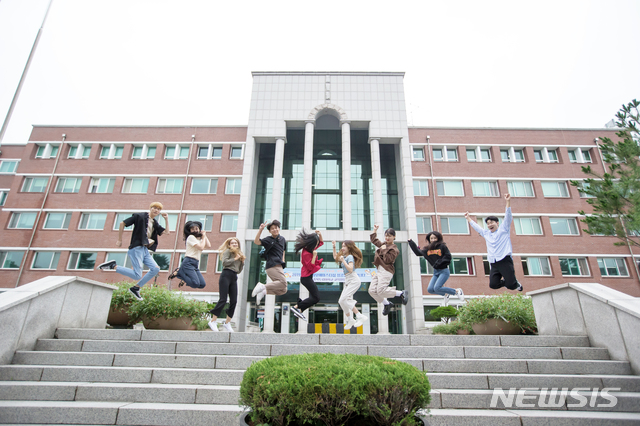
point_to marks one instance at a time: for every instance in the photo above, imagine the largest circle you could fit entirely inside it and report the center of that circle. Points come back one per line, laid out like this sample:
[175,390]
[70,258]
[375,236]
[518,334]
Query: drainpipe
[433,184]
[44,200]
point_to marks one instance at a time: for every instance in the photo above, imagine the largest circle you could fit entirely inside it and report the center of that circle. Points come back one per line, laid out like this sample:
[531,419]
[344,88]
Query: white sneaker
[213,325]
[260,295]
[446,300]
[460,294]
[227,327]
[360,320]
[257,289]
[350,323]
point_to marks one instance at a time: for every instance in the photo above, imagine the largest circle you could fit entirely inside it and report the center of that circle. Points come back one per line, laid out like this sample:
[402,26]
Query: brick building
[328,151]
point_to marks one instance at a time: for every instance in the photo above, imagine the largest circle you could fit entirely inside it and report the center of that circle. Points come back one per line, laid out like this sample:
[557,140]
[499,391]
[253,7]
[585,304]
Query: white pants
[351,285]
[379,288]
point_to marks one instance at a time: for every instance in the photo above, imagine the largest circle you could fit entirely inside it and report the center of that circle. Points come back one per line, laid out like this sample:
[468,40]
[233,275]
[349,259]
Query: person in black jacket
[438,255]
[144,241]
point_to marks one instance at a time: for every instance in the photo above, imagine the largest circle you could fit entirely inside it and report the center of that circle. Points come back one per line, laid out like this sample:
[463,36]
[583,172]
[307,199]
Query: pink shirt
[309,268]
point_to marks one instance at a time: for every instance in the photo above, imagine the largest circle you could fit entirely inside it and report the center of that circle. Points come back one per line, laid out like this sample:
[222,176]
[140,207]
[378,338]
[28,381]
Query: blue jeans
[440,276]
[190,274]
[139,256]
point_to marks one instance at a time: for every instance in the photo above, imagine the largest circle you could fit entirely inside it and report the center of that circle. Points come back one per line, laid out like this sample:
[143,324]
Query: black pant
[503,274]
[313,298]
[228,285]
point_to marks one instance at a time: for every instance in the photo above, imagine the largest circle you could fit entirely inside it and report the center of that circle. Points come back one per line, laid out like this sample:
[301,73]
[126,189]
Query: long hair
[355,252]
[432,245]
[307,241]
[187,229]
[227,246]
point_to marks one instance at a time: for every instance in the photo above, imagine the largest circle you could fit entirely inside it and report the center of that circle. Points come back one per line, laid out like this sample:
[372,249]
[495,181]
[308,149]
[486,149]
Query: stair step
[452,417]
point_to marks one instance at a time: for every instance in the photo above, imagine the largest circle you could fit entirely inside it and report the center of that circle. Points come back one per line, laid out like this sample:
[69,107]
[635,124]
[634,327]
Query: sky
[542,64]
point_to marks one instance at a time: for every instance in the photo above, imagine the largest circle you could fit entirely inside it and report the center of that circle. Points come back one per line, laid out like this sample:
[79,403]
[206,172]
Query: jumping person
[195,241]
[232,264]
[144,241]
[499,249]
[309,244]
[275,247]
[384,260]
[438,255]
[349,258]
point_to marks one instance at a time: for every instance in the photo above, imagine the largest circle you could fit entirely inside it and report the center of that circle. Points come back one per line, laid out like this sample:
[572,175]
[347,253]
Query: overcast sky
[567,64]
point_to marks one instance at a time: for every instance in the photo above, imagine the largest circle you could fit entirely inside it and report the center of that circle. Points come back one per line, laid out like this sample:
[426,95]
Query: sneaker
[460,294]
[350,323]
[174,273]
[213,325]
[257,289]
[405,297]
[227,327]
[135,290]
[297,313]
[360,320]
[520,288]
[385,310]
[110,265]
[260,296]
[446,300]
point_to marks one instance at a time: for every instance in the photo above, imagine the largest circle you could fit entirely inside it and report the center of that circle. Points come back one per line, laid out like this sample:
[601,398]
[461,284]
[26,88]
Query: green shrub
[515,309]
[330,389]
[122,297]
[446,312]
[452,328]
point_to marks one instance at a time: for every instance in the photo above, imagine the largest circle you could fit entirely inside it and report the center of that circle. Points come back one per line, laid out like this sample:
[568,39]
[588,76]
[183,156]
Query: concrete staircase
[151,377]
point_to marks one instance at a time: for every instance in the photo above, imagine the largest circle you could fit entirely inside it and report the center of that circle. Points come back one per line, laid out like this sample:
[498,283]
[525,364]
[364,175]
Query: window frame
[557,182]
[19,215]
[517,224]
[3,259]
[527,269]
[89,219]
[54,258]
[442,218]
[144,153]
[86,152]
[619,260]
[211,150]
[441,183]
[234,219]
[28,181]
[94,183]
[493,187]
[51,151]
[62,180]
[163,182]
[580,262]
[126,179]
[15,164]
[177,152]
[420,182]
[65,222]
[510,188]
[78,259]
[215,187]
[112,152]
[573,231]
[234,147]
[420,150]
[234,180]
[424,220]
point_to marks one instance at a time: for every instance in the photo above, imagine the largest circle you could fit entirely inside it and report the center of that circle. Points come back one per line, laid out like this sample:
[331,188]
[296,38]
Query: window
[34,184]
[45,260]
[487,266]
[612,267]
[236,152]
[8,166]
[79,151]
[564,226]
[176,152]
[135,185]
[450,188]
[57,221]
[10,259]
[204,186]
[420,188]
[111,152]
[3,197]
[478,154]
[527,225]
[47,151]
[229,223]
[573,158]
[438,154]
[143,152]
[22,220]
[418,154]
[586,155]
[70,185]
[454,225]
[461,266]
[92,221]
[121,259]
[424,224]
[555,189]
[536,266]
[512,155]
[580,156]
[208,152]
[205,219]
[520,188]
[445,154]
[173,220]
[233,186]
[83,261]
[546,155]
[170,186]
[553,155]
[101,185]
[484,188]
[574,266]
[120,217]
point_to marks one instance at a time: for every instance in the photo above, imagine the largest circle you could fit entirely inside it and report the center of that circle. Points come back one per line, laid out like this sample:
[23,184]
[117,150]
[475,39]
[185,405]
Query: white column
[346,180]
[269,311]
[278,165]
[308,174]
[366,310]
[285,318]
[376,175]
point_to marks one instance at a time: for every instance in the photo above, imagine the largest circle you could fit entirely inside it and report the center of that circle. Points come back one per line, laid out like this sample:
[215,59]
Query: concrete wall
[609,318]
[37,309]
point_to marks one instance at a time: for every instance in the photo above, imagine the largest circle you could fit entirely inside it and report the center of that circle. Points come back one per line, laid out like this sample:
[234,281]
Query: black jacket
[139,234]
[275,248]
[439,258]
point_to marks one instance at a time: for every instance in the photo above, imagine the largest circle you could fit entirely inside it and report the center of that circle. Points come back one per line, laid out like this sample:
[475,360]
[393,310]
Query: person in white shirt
[195,240]
[499,250]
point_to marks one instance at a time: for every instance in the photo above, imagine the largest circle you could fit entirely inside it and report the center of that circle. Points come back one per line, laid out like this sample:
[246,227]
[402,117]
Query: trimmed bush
[452,328]
[447,312]
[512,308]
[329,389]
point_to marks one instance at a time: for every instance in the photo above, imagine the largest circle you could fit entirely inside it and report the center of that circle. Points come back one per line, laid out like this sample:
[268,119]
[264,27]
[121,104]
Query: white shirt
[499,242]
[191,249]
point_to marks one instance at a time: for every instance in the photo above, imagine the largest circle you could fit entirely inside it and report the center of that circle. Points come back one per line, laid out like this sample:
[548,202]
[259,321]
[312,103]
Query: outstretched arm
[414,247]
[256,240]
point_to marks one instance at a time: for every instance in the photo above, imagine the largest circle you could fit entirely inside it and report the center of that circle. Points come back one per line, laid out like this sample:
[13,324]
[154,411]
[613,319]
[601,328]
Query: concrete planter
[244,419]
[162,323]
[463,332]
[496,326]
[118,316]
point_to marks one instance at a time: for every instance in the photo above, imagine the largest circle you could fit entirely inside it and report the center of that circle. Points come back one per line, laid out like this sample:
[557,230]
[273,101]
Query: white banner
[329,275]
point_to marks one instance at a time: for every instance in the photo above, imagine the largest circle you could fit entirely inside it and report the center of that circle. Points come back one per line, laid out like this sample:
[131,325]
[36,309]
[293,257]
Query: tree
[616,194]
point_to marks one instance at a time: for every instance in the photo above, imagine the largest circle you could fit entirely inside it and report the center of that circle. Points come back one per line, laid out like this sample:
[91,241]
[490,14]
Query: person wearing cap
[196,240]
[144,241]
[275,246]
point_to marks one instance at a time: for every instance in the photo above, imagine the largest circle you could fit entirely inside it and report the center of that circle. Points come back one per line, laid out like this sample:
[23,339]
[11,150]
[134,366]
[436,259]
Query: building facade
[328,151]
